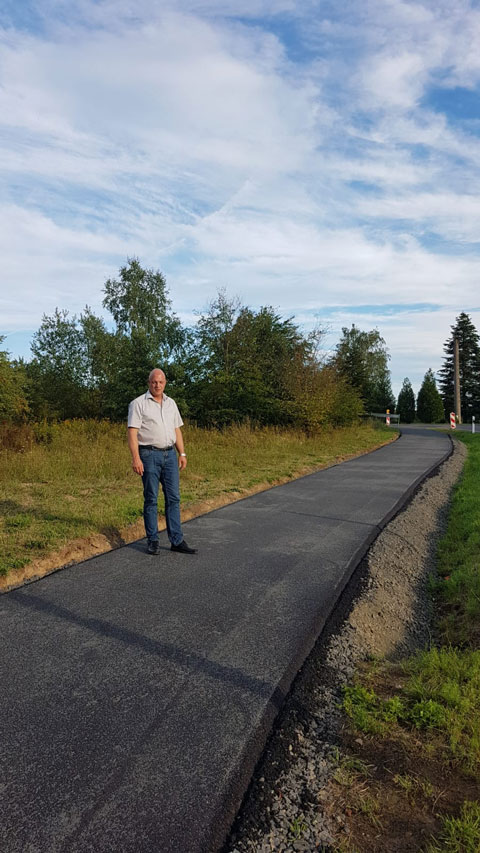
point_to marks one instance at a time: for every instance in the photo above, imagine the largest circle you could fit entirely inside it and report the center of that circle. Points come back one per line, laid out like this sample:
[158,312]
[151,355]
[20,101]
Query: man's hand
[137,463]
[137,466]
[182,462]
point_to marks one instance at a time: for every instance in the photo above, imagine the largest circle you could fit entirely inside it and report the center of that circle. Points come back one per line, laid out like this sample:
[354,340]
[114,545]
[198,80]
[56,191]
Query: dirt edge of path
[78,550]
[385,612]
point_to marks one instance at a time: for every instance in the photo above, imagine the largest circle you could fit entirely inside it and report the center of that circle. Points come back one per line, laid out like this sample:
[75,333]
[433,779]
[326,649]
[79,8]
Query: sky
[316,156]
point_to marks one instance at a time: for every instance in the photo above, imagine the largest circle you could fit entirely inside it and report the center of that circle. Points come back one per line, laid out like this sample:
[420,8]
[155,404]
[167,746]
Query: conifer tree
[383,396]
[429,401]
[406,402]
[469,364]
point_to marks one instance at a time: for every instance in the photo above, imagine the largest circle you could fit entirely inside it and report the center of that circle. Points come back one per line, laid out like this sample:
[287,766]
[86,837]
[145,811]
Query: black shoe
[153,547]
[183,548]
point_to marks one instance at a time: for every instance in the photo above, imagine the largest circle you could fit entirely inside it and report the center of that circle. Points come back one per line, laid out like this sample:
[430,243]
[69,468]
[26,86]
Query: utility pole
[456,381]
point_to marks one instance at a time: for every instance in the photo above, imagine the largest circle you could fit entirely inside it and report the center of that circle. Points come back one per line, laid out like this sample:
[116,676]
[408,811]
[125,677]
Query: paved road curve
[137,691]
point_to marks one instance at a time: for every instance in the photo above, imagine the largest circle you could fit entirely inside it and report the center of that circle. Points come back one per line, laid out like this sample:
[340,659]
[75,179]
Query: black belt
[154,447]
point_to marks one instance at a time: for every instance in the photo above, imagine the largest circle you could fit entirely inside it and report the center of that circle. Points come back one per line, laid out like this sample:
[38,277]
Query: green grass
[298,828]
[460,834]
[441,697]
[79,481]
[459,551]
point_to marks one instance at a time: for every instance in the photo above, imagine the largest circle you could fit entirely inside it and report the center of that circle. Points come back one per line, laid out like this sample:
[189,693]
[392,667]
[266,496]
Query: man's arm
[182,459]
[137,463]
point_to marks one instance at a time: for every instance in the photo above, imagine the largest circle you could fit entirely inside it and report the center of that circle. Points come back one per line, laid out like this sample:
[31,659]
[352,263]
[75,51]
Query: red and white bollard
[387,417]
[453,422]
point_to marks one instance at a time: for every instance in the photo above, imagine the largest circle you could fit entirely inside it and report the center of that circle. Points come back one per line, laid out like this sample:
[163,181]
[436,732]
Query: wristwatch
[183,454]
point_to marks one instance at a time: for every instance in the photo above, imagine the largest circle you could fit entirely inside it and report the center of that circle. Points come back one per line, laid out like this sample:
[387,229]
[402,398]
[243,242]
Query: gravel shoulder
[385,611]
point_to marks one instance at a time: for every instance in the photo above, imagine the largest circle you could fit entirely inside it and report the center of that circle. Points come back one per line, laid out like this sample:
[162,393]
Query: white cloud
[277,154]
[454,216]
[394,81]
[412,46]
[46,266]
[176,92]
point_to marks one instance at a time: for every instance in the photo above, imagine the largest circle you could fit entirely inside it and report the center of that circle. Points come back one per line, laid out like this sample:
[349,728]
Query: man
[154,431]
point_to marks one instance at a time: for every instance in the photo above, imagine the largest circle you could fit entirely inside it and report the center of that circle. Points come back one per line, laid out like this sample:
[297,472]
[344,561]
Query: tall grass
[78,481]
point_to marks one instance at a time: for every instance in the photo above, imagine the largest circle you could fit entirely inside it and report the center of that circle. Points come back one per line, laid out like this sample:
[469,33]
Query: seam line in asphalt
[331,518]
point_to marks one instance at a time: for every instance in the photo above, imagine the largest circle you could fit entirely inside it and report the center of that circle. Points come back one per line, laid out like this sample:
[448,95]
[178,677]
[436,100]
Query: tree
[211,341]
[406,402]
[139,304]
[383,397]
[362,358]
[59,371]
[257,365]
[321,397]
[241,364]
[13,399]
[429,401]
[81,369]
[147,335]
[469,363]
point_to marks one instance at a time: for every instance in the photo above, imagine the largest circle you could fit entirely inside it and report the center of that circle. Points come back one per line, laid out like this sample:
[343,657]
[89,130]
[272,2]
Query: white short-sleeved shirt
[156,422]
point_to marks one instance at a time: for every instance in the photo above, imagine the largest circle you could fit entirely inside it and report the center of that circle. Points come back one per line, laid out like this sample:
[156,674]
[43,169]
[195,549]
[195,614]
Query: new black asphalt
[137,691]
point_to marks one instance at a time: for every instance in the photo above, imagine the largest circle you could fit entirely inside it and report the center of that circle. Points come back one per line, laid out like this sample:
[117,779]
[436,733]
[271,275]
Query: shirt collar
[149,396]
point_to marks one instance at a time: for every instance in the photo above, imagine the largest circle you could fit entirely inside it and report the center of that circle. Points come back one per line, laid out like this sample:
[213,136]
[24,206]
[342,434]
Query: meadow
[73,479]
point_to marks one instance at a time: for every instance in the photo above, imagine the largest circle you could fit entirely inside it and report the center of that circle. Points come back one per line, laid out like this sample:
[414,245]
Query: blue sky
[319,157]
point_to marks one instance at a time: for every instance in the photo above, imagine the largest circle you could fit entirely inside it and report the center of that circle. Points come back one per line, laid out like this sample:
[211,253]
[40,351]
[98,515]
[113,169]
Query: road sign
[453,422]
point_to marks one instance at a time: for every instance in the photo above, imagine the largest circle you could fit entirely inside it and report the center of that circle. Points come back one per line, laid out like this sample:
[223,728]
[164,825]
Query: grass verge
[459,555]
[77,483]
[412,743]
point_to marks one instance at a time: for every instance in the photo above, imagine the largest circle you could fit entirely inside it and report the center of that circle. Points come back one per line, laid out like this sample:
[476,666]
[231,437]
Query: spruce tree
[469,365]
[406,402]
[429,401]
[383,397]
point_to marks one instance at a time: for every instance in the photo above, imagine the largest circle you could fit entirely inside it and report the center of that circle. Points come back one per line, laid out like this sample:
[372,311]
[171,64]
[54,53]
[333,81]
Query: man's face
[156,383]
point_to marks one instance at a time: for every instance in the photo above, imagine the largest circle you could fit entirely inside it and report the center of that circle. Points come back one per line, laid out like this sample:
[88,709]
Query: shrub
[16,437]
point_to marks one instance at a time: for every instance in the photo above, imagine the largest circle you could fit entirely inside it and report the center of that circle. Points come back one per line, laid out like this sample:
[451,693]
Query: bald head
[156,383]
[154,372]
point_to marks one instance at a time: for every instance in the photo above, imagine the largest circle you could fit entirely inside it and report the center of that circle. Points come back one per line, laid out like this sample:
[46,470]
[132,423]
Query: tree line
[433,405]
[233,364]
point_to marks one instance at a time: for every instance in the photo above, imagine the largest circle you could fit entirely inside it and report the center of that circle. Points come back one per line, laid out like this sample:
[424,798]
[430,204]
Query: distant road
[461,427]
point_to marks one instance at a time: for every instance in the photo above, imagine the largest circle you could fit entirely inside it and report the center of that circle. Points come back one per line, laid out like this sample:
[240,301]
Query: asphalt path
[137,691]
[446,427]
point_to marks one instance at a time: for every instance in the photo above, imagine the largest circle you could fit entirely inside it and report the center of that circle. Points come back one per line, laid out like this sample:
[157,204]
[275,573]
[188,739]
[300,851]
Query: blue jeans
[161,466]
